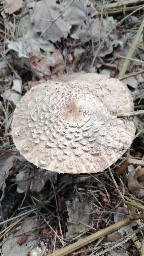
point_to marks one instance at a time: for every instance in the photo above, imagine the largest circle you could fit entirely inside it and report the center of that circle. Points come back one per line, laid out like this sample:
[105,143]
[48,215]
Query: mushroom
[73,126]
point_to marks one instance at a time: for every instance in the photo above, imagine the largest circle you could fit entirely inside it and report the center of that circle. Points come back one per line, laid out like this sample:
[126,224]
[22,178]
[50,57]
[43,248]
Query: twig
[131,50]
[134,203]
[134,113]
[139,107]
[82,242]
[55,233]
[135,161]
[120,6]
[18,216]
[10,227]
[10,66]
[3,192]
[118,23]
[108,64]
[118,243]
[123,10]
[139,96]
[124,2]
[121,195]
[132,59]
[57,211]
[56,18]
[132,74]
[138,134]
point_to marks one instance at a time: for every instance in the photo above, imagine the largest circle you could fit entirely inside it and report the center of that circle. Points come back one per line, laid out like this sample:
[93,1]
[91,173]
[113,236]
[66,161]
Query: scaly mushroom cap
[72,127]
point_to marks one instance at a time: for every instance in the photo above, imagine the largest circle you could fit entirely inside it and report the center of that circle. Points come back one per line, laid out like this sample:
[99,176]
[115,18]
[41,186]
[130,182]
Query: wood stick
[123,4]
[134,203]
[134,113]
[82,242]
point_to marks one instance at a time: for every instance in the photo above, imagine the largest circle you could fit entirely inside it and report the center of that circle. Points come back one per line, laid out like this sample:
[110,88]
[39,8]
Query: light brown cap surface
[72,127]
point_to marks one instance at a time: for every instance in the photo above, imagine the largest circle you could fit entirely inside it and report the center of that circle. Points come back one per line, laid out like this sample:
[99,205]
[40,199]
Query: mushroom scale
[72,127]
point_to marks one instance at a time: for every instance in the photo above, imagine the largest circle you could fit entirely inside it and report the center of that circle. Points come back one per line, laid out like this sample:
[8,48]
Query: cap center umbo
[72,109]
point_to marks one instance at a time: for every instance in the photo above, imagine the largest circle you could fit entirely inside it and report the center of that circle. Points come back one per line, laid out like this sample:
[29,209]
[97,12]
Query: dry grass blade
[18,216]
[131,50]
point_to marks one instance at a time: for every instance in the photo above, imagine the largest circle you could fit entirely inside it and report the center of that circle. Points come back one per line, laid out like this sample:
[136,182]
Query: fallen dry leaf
[140,175]
[79,216]
[17,85]
[122,168]
[3,68]
[135,187]
[104,198]
[40,178]
[49,63]
[120,214]
[11,246]
[48,20]
[23,179]
[37,251]
[131,81]
[26,180]
[83,16]
[40,55]
[6,163]
[1,109]
[11,95]
[11,6]
[28,43]
[22,239]
[46,232]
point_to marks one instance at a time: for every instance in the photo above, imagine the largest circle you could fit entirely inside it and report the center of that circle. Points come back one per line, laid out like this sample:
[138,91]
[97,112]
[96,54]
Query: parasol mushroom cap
[72,126]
